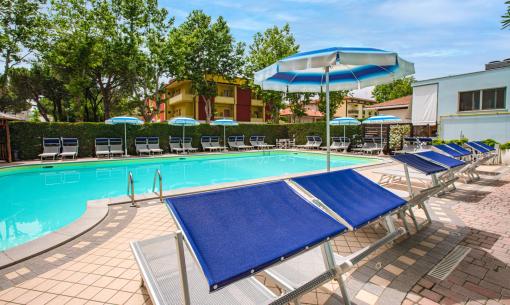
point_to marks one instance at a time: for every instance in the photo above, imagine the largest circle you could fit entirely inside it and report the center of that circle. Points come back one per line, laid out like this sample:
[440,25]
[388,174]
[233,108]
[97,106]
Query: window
[226,113]
[486,99]
[469,101]
[493,98]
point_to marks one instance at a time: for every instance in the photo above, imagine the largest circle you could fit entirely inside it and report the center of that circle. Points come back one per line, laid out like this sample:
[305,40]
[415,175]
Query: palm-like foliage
[506,17]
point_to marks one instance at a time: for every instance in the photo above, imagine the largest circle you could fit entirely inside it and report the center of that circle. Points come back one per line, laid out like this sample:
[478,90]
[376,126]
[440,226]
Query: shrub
[505,146]
[457,141]
[300,131]
[397,134]
[438,141]
[490,142]
[26,137]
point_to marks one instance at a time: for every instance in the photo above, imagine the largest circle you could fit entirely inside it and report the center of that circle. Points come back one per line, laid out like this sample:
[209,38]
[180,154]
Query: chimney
[498,64]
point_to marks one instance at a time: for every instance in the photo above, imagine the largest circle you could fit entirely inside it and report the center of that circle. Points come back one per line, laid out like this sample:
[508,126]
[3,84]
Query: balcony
[224,100]
[257,103]
[181,98]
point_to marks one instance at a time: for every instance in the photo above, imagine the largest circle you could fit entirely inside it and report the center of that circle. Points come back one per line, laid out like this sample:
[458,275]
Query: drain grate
[449,262]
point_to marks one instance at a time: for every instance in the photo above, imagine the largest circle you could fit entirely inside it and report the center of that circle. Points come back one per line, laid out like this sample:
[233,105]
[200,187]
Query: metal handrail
[131,187]
[158,175]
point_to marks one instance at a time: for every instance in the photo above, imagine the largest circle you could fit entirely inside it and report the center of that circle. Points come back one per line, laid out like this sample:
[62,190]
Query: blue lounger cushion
[477,147]
[420,164]
[488,147]
[460,149]
[441,159]
[452,152]
[356,199]
[237,232]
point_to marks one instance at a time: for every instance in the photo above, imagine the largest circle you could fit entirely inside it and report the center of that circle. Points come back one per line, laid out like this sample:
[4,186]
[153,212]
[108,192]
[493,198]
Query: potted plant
[505,153]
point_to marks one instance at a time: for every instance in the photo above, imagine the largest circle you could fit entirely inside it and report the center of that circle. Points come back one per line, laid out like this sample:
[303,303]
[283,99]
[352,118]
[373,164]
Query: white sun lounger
[175,145]
[69,148]
[51,148]
[116,146]
[141,146]
[153,145]
[102,147]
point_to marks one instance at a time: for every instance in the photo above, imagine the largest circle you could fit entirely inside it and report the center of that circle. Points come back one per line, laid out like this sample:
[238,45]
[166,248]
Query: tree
[22,30]
[267,48]
[297,104]
[506,17]
[336,98]
[397,88]
[205,52]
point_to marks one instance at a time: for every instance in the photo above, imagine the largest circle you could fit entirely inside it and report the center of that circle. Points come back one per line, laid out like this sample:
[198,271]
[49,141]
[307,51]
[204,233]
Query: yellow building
[232,101]
[356,107]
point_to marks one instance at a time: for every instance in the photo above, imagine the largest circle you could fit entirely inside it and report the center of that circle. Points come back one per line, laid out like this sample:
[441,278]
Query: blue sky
[441,37]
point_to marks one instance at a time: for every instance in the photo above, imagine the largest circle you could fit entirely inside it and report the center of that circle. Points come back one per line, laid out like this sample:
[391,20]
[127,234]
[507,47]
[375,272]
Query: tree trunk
[6,68]
[208,109]
[42,109]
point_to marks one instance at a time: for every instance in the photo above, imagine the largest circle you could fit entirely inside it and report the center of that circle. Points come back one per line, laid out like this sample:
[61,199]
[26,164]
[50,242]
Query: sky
[442,37]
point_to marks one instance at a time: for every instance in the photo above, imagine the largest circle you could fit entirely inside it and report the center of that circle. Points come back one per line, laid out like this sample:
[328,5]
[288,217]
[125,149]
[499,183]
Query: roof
[308,112]
[5,116]
[401,102]
[437,79]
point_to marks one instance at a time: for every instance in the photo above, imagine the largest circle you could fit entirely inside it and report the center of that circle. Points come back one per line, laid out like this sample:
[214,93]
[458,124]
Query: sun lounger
[488,147]
[186,145]
[69,148]
[317,142]
[424,143]
[153,145]
[450,151]
[338,143]
[215,143]
[263,144]
[457,167]
[232,143]
[211,143]
[141,146]
[116,146]
[51,148]
[370,146]
[259,142]
[310,143]
[175,145]
[242,238]
[354,201]
[240,143]
[102,147]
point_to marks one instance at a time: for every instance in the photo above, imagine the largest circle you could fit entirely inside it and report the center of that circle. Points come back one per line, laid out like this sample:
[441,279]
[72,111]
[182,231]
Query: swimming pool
[39,199]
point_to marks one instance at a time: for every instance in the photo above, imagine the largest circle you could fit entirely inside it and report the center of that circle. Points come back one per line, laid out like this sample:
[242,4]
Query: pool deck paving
[98,266]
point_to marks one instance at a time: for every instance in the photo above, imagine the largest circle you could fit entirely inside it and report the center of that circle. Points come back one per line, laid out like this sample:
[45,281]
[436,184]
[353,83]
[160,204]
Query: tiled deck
[98,268]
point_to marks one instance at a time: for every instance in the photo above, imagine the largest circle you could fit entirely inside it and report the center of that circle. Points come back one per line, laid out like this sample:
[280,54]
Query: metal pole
[224,137]
[182,141]
[182,268]
[327,122]
[125,140]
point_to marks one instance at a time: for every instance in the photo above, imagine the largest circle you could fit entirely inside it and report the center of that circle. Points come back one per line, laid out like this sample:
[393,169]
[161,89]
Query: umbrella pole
[382,148]
[125,140]
[224,138]
[327,121]
[182,141]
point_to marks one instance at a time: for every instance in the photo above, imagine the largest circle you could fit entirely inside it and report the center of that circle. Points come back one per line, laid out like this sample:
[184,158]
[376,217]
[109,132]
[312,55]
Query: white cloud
[438,53]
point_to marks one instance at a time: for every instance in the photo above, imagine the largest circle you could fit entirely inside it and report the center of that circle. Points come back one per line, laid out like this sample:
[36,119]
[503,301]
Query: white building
[474,105]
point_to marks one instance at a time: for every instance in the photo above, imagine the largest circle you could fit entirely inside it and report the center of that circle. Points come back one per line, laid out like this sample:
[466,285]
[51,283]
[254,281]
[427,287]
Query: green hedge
[26,137]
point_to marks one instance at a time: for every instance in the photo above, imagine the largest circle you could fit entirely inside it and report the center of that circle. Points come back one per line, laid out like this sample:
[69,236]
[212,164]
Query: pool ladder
[131,186]
[157,175]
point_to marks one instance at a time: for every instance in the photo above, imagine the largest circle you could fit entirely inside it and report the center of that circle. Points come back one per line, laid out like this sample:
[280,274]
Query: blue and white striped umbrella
[183,121]
[344,121]
[336,69]
[349,68]
[381,119]
[224,123]
[124,120]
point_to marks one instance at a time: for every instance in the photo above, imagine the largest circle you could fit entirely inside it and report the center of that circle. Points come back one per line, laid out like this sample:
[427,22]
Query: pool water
[38,199]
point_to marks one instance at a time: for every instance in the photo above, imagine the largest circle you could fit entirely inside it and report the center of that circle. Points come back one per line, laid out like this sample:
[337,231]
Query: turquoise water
[39,199]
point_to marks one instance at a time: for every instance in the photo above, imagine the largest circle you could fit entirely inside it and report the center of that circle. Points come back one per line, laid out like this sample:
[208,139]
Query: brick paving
[98,267]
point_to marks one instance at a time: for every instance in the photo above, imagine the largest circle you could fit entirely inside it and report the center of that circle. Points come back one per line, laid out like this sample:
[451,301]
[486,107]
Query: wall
[476,128]
[243,103]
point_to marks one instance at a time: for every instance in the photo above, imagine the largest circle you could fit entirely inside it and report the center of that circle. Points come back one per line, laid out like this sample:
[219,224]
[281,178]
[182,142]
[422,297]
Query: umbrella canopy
[124,120]
[336,69]
[344,121]
[381,119]
[224,123]
[350,68]
[183,121]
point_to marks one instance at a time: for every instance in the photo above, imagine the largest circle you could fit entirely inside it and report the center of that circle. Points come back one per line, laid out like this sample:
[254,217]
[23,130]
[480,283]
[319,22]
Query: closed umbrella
[335,68]
[224,123]
[382,119]
[124,120]
[183,121]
